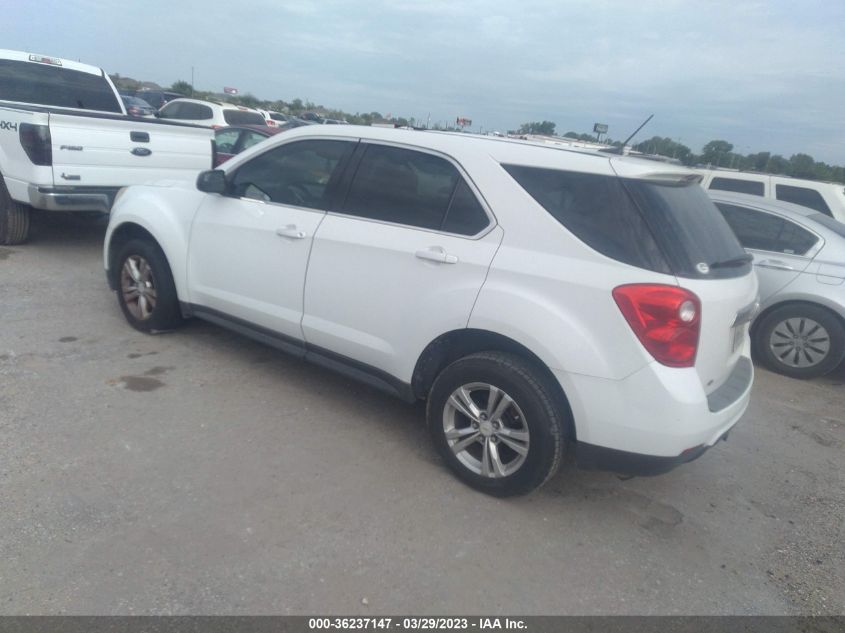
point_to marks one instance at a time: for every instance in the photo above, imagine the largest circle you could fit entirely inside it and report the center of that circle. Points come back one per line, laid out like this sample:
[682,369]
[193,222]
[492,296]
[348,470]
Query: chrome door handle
[774,264]
[291,231]
[436,254]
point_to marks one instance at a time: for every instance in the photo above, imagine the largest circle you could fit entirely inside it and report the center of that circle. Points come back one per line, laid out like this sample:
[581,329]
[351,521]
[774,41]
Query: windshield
[693,235]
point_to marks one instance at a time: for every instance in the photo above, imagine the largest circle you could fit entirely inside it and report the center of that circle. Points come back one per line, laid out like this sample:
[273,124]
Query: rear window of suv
[666,227]
[243,117]
[48,85]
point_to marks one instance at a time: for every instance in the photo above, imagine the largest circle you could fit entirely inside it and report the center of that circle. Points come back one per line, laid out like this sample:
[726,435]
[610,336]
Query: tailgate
[116,151]
[727,307]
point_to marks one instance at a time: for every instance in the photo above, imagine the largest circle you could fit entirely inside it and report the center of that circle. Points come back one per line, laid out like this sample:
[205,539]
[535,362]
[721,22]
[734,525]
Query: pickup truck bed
[58,158]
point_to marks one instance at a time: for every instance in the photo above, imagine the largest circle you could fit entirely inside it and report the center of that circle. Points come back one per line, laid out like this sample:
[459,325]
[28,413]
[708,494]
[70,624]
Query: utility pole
[192,81]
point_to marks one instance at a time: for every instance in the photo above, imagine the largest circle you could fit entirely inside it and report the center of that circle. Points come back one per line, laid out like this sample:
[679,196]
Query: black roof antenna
[620,149]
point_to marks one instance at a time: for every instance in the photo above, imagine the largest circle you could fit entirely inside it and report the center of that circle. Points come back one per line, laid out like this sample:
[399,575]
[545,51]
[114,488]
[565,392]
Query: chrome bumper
[72,198]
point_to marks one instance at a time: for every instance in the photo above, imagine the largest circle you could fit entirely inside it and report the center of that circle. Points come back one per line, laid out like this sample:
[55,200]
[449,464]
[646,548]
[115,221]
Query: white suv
[825,197]
[535,297]
[214,114]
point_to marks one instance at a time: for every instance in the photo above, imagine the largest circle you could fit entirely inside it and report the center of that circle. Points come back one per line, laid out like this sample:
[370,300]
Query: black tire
[164,313]
[536,410]
[14,218]
[770,331]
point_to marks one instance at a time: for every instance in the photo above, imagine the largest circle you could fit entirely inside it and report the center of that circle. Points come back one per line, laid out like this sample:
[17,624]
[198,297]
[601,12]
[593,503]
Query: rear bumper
[591,457]
[69,199]
[655,419]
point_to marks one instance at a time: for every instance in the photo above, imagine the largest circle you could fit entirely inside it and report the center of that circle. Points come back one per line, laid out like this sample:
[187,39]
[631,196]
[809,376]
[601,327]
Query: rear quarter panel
[18,171]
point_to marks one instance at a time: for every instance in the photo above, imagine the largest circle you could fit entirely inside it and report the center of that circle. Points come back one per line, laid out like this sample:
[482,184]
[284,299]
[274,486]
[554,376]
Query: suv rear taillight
[666,319]
[37,143]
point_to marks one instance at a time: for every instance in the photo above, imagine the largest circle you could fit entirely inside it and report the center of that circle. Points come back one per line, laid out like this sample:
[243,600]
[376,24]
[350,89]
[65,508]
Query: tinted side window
[763,231]
[226,139]
[44,84]
[803,196]
[465,215]
[195,111]
[754,229]
[751,187]
[242,117]
[597,210]
[251,138]
[171,111]
[296,173]
[795,240]
[402,186]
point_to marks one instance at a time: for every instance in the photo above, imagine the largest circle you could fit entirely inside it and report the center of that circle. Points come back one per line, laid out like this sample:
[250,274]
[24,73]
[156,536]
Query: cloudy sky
[762,75]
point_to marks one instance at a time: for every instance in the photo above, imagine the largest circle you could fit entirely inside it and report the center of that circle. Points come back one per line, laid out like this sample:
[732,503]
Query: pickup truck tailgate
[116,151]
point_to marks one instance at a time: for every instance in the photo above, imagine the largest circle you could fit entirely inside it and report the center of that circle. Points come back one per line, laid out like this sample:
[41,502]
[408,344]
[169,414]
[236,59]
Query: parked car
[272,119]
[229,141]
[799,257]
[156,98]
[137,107]
[824,197]
[535,297]
[66,144]
[313,117]
[214,114]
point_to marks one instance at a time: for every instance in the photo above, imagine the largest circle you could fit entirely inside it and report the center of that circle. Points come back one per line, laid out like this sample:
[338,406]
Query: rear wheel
[145,289]
[14,218]
[494,420]
[800,340]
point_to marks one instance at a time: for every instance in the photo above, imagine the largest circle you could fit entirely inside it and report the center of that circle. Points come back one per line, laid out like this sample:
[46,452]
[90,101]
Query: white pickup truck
[66,143]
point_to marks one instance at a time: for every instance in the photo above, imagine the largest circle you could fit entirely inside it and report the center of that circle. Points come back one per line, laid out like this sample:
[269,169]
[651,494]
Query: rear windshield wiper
[734,261]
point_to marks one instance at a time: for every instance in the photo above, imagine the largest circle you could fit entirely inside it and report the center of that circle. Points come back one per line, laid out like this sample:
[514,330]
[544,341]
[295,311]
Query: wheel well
[759,318]
[449,347]
[121,236]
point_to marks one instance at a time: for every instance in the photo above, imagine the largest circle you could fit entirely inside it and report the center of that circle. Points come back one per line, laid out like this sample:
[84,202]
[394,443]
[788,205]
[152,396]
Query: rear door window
[226,140]
[413,188]
[49,85]
[297,174]
[597,210]
[751,187]
[763,231]
[803,196]
[172,110]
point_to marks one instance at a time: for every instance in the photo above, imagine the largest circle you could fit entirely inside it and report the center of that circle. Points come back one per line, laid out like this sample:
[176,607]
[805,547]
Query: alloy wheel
[799,342]
[486,430]
[137,285]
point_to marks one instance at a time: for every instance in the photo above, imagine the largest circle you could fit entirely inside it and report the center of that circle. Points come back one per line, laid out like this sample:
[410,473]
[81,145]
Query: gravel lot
[199,472]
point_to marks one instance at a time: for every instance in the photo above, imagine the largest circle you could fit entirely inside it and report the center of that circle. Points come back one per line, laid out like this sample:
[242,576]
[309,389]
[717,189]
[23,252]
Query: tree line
[716,153]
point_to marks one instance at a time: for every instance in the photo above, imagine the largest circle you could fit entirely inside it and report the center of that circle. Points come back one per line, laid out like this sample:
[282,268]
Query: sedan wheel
[800,342]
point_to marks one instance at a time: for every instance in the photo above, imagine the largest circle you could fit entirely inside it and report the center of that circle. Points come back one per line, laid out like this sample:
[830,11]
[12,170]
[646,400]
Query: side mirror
[212,181]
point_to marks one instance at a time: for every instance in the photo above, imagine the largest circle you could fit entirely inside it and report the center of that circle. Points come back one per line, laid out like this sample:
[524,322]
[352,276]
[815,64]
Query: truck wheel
[145,289]
[495,422]
[14,218]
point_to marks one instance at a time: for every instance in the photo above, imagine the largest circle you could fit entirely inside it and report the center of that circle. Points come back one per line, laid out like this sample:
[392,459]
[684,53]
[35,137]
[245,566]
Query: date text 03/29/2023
[411,623]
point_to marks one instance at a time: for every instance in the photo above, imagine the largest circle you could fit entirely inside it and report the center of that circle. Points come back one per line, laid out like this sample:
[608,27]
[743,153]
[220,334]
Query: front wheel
[494,420]
[145,289]
[800,341]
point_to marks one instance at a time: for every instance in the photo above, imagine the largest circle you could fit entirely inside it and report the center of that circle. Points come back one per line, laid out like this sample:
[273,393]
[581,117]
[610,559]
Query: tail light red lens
[666,320]
[37,143]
